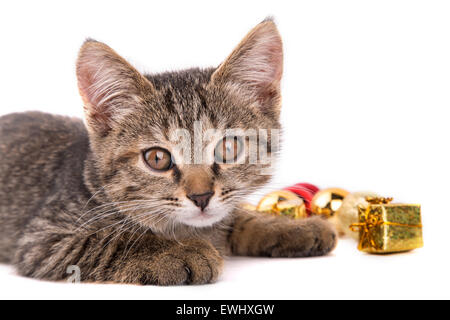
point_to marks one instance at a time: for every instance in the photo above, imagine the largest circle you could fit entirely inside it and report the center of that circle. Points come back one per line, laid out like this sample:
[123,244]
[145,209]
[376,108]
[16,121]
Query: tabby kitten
[115,197]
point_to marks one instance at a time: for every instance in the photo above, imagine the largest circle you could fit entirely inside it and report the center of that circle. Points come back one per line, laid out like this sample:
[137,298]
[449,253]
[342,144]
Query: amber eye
[158,159]
[228,150]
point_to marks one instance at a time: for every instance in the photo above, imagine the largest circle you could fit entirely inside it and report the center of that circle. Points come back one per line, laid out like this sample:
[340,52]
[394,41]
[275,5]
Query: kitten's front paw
[195,262]
[302,238]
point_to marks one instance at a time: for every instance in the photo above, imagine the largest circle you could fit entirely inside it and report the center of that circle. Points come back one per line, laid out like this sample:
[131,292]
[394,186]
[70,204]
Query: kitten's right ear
[109,86]
[256,67]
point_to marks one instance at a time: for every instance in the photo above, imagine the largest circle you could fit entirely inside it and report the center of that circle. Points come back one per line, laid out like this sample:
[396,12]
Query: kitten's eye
[228,150]
[158,159]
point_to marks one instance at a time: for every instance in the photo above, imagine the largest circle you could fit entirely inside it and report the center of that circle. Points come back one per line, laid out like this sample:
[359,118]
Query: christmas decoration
[284,203]
[306,191]
[348,213]
[327,201]
[386,227]
[379,225]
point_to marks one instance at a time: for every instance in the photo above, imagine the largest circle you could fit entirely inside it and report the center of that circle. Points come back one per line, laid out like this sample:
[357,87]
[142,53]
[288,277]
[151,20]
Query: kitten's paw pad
[305,238]
[187,264]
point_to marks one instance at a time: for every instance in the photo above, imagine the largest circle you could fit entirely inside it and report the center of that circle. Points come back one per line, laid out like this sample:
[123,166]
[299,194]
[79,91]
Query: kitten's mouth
[203,218]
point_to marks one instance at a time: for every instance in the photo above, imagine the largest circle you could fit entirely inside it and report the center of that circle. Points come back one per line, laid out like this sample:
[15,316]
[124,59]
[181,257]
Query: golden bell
[327,201]
[283,203]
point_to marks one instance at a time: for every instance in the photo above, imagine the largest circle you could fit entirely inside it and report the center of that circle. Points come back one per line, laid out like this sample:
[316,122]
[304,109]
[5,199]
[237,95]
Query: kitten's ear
[256,65]
[109,86]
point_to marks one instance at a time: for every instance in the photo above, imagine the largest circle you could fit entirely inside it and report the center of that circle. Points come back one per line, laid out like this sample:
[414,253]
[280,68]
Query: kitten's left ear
[109,86]
[256,66]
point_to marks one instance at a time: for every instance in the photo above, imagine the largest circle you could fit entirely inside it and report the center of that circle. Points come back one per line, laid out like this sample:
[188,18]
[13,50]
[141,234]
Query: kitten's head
[159,142]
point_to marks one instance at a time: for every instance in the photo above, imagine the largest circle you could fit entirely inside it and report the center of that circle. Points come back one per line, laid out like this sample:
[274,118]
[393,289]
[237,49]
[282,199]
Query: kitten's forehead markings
[188,145]
[173,104]
[210,137]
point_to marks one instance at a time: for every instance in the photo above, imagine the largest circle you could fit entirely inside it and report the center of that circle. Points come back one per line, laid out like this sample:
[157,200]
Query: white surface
[366,107]
[346,274]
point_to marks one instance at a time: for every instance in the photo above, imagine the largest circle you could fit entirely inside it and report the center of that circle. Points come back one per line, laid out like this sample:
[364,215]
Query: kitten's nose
[201,200]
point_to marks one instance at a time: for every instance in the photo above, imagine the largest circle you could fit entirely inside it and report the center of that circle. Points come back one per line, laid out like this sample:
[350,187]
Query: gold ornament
[348,213]
[327,201]
[283,203]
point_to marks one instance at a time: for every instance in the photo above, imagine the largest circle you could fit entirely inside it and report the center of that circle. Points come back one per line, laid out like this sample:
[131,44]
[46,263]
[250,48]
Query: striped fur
[81,195]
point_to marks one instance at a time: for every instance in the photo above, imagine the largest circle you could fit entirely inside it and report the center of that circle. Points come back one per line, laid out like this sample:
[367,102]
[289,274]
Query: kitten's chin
[202,220]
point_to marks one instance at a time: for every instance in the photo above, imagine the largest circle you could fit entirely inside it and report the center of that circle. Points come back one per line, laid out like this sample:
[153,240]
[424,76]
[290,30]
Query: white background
[366,107]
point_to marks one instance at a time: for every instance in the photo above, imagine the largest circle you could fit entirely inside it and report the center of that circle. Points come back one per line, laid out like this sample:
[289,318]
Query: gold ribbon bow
[373,220]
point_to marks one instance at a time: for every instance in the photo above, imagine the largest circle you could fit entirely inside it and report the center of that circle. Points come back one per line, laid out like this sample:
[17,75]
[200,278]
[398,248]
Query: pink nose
[201,200]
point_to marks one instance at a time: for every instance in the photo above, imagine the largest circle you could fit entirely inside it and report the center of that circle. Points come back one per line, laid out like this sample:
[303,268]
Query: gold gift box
[386,227]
